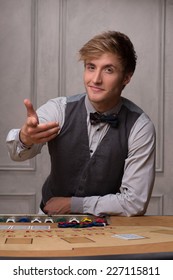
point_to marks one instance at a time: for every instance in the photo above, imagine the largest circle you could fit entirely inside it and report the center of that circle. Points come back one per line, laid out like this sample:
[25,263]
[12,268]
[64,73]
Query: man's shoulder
[76,97]
[143,117]
[63,100]
[132,106]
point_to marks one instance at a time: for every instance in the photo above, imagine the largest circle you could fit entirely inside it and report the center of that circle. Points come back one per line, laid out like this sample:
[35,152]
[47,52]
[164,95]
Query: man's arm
[40,127]
[137,182]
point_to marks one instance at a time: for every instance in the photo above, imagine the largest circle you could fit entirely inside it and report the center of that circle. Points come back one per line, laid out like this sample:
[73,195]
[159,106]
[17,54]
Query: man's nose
[97,77]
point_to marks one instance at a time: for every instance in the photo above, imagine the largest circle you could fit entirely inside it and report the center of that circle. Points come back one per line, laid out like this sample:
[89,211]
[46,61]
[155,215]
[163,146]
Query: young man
[101,145]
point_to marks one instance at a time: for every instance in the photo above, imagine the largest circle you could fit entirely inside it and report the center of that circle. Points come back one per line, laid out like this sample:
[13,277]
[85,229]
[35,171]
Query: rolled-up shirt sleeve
[17,150]
[138,178]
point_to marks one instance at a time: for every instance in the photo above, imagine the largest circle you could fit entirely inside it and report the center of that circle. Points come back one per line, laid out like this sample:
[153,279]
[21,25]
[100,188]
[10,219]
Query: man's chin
[95,97]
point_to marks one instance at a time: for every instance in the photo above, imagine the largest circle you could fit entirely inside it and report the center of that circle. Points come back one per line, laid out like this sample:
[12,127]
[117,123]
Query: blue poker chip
[67,224]
[96,224]
[24,220]
[87,224]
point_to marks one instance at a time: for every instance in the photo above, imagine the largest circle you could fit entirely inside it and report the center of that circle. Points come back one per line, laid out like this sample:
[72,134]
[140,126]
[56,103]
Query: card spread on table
[4,227]
[128,236]
[40,227]
[25,227]
[19,227]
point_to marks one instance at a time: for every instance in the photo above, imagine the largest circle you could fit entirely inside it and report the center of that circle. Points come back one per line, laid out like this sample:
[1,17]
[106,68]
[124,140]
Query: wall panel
[39,43]
[17,72]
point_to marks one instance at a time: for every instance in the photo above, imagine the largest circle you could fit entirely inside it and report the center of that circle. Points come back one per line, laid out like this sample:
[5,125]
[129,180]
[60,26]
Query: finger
[50,212]
[32,122]
[42,133]
[42,130]
[50,200]
[45,210]
[48,126]
[37,140]
[31,113]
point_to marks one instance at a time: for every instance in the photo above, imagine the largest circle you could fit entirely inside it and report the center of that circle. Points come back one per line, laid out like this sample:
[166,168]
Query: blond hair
[112,42]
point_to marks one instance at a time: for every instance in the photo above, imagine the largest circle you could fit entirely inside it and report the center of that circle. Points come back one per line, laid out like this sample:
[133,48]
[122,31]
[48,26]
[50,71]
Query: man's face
[104,80]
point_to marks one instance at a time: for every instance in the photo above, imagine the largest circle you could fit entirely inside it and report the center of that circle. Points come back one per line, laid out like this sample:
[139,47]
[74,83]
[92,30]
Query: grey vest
[73,171]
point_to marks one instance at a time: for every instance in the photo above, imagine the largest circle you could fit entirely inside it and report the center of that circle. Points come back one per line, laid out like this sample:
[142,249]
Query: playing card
[128,236]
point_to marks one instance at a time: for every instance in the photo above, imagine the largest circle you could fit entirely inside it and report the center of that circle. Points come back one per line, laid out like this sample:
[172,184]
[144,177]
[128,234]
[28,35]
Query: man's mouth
[96,88]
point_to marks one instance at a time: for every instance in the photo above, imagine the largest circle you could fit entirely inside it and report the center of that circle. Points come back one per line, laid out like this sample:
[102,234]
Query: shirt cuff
[77,204]
[13,136]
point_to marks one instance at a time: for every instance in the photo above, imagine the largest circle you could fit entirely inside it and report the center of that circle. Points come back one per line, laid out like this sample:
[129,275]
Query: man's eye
[109,70]
[90,67]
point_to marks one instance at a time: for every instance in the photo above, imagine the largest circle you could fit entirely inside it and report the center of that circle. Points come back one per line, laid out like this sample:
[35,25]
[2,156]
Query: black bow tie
[96,118]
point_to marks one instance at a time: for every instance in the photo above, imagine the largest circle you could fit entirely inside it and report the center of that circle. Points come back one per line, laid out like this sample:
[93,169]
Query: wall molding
[161,89]
[62,47]
[156,205]
[14,202]
[29,165]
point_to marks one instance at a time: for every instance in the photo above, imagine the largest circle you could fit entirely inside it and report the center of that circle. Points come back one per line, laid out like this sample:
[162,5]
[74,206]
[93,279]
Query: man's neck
[92,107]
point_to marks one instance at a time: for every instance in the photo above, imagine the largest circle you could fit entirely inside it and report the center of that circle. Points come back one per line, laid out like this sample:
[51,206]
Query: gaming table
[144,237]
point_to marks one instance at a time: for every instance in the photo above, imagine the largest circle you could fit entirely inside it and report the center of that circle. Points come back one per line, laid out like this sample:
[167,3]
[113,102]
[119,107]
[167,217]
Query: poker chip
[60,219]
[2,220]
[36,220]
[85,222]
[74,220]
[100,220]
[24,220]
[67,225]
[11,220]
[48,220]
[98,224]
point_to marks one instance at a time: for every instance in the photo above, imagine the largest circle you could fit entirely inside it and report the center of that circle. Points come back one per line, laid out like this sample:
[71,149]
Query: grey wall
[39,40]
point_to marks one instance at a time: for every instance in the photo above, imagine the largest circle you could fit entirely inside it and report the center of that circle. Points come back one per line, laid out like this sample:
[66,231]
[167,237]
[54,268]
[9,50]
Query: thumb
[31,113]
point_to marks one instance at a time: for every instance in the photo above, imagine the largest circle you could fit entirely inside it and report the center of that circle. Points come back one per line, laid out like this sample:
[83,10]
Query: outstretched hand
[32,132]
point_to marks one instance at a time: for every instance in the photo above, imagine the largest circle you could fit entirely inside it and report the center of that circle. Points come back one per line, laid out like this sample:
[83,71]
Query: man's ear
[127,78]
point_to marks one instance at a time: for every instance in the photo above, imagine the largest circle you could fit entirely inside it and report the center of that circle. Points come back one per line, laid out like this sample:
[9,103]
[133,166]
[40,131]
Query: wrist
[24,140]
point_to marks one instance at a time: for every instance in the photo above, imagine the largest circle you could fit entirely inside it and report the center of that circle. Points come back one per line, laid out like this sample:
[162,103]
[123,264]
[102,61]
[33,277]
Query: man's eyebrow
[104,66]
[110,65]
[89,63]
